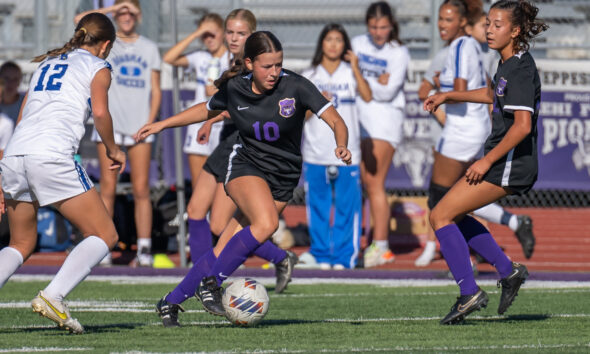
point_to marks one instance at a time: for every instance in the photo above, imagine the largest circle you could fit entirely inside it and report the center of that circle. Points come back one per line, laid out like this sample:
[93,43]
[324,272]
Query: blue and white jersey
[204,65]
[58,105]
[392,58]
[319,143]
[466,121]
[130,92]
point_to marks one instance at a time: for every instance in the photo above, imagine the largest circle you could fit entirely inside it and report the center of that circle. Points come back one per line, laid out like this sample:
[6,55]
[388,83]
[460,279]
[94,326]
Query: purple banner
[563,143]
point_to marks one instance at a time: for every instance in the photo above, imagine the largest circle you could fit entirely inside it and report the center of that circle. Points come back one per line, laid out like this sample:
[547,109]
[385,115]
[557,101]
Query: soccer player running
[268,106]
[70,82]
[509,165]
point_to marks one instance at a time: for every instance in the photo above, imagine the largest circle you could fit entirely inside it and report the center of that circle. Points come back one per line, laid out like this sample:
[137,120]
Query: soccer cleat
[524,234]
[375,256]
[209,294]
[144,258]
[57,311]
[168,312]
[284,271]
[510,286]
[465,305]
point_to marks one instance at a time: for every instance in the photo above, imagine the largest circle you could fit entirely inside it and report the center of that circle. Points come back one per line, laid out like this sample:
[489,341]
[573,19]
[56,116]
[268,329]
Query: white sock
[491,212]
[427,254]
[144,243]
[11,260]
[513,223]
[382,244]
[77,266]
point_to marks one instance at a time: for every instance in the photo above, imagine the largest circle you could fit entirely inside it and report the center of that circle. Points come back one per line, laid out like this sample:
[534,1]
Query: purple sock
[234,254]
[189,284]
[200,238]
[271,252]
[482,242]
[454,248]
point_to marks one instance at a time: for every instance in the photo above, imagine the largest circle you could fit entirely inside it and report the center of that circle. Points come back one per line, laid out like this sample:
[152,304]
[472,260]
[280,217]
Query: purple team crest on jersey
[501,86]
[287,107]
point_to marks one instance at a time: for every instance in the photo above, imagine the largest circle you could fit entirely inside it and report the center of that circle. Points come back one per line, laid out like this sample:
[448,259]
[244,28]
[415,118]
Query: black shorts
[519,176]
[281,188]
[216,163]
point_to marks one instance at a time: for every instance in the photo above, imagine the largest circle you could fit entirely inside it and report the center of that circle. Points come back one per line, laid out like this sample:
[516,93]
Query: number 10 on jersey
[269,131]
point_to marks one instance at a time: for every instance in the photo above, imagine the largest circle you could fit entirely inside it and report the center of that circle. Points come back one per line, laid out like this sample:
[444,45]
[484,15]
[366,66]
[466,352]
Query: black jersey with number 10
[270,124]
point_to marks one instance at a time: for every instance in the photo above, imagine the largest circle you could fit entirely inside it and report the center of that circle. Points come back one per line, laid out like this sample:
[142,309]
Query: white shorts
[47,179]
[459,150]
[191,146]
[121,139]
[384,127]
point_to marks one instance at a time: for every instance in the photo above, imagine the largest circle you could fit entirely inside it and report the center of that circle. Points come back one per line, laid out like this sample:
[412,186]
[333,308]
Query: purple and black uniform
[270,127]
[517,87]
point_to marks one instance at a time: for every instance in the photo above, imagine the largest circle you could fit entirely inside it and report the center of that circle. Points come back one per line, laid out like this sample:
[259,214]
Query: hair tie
[83,30]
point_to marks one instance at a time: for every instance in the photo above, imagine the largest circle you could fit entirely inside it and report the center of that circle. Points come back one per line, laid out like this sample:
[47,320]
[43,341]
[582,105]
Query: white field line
[401,348]
[98,306]
[310,281]
[43,349]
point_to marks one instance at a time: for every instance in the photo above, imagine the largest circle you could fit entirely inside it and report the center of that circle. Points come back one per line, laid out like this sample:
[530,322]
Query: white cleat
[427,255]
[57,311]
[374,256]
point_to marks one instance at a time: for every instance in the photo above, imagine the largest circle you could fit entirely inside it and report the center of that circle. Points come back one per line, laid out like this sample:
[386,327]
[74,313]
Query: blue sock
[234,254]
[270,252]
[456,253]
[482,242]
[200,238]
[189,284]
[505,220]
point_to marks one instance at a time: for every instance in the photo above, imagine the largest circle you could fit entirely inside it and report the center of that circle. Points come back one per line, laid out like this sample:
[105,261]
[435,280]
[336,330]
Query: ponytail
[91,30]
[238,68]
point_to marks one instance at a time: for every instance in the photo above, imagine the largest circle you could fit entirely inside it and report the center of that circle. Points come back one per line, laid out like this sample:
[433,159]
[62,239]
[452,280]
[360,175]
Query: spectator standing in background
[208,65]
[330,184]
[6,124]
[11,100]
[134,100]
[383,61]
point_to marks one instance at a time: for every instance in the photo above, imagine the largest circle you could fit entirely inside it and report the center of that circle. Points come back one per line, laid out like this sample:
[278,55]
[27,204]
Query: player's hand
[147,130]
[204,132]
[383,78]
[134,10]
[431,103]
[477,170]
[343,154]
[352,58]
[118,159]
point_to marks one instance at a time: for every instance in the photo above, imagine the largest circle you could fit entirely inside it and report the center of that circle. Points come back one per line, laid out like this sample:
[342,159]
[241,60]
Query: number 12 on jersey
[53,83]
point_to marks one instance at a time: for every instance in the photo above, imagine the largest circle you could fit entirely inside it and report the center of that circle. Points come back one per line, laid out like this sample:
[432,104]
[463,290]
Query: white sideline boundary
[44,349]
[128,279]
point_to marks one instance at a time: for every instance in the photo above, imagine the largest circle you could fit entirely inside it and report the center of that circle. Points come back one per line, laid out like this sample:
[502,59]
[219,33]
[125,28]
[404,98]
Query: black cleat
[209,293]
[168,312]
[524,234]
[465,305]
[510,286]
[284,270]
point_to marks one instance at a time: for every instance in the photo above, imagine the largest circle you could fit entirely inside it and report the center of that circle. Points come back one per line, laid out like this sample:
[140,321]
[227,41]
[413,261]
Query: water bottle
[213,71]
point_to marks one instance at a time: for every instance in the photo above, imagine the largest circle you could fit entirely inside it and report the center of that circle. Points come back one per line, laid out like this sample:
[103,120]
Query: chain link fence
[29,27]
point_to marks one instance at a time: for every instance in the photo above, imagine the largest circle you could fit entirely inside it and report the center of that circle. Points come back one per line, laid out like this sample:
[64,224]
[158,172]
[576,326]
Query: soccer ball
[245,301]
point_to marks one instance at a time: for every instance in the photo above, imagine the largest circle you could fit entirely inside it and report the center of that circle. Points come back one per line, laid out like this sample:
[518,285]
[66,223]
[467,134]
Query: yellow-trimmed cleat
[57,311]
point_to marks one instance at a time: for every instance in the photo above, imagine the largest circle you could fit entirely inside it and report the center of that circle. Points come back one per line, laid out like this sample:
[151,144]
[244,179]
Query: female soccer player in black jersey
[510,162]
[268,106]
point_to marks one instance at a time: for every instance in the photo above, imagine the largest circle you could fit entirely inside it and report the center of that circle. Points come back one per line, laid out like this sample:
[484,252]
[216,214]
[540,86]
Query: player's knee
[217,227]
[266,226]
[141,193]
[435,193]
[25,248]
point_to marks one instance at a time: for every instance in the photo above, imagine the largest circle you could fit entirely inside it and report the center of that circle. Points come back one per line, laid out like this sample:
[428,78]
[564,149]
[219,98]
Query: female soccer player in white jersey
[268,106]
[329,183]
[509,165]
[70,83]
[208,65]
[383,61]
[134,100]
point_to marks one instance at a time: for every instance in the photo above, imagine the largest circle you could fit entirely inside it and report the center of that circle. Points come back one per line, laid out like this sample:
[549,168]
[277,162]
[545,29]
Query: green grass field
[120,317]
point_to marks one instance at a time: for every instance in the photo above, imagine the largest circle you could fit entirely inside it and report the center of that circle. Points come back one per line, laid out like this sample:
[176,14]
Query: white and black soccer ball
[245,301]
